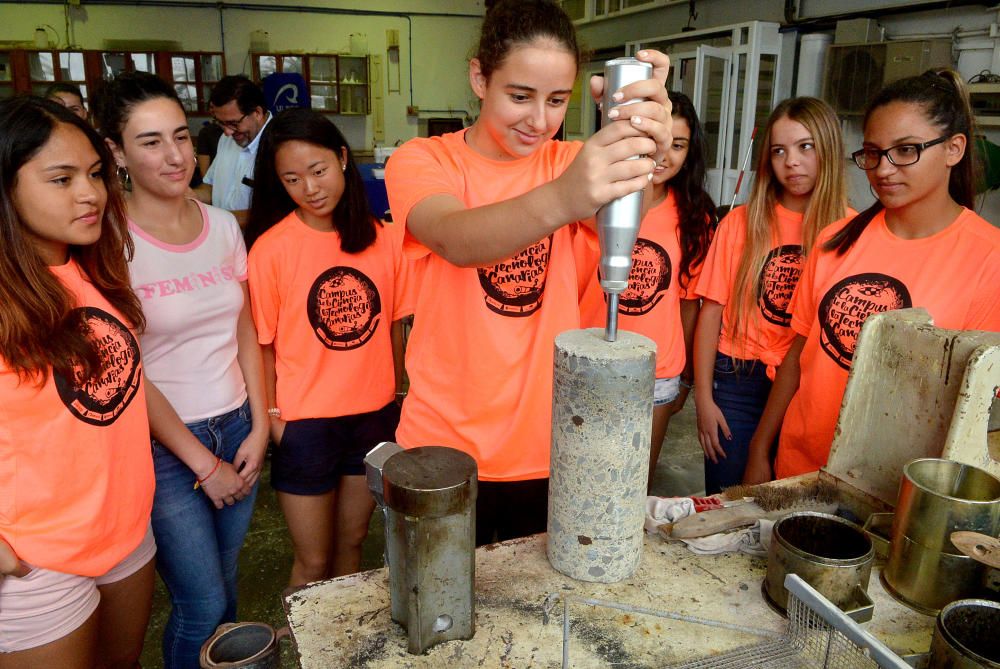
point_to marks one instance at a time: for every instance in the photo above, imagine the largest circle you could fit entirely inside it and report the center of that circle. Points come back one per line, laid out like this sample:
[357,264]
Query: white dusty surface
[345,622]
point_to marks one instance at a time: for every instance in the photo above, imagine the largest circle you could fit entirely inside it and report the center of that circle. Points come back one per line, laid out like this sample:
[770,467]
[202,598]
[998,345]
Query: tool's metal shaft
[611,329]
[618,220]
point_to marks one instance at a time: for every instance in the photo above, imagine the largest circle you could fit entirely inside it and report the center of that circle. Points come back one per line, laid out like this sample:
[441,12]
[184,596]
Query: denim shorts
[666,391]
[315,452]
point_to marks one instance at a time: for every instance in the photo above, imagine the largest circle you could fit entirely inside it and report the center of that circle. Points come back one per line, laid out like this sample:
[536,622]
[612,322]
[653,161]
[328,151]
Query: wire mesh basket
[819,635]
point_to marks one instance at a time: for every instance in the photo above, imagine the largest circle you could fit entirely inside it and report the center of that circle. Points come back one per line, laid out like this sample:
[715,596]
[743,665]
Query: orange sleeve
[689,291]
[414,173]
[265,300]
[715,280]
[802,306]
[984,313]
[403,283]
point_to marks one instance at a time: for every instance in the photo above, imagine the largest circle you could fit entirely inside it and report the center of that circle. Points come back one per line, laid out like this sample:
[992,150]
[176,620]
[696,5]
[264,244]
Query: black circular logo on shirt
[514,287]
[101,400]
[849,303]
[648,281]
[344,308]
[778,278]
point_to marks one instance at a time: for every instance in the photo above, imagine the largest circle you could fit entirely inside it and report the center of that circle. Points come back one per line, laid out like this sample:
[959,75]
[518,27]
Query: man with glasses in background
[237,106]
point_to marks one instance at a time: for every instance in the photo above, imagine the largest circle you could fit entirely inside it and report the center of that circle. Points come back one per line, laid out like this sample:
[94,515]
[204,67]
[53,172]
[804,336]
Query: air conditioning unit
[856,72]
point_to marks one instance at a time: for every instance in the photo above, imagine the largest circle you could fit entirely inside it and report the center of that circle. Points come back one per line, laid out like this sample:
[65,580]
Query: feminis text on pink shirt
[193,281]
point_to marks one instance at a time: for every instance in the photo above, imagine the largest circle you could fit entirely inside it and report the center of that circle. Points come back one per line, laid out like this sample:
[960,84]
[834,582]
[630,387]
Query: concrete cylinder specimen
[602,413]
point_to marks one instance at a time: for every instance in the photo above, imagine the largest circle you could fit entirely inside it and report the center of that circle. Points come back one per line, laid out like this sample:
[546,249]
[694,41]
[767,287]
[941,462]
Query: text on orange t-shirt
[767,338]
[480,354]
[328,315]
[954,274]
[76,470]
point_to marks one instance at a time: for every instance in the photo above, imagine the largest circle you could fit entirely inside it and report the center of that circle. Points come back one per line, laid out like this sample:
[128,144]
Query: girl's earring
[124,178]
[343,167]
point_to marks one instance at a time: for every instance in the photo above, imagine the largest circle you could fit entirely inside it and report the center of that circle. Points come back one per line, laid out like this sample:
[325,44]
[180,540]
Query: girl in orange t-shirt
[919,245]
[327,289]
[750,273]
[491,214]
[671,247]
[76,475]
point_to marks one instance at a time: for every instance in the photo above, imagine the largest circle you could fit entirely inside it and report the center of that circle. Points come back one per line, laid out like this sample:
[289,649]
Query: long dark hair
[39,324]
[697,213]
[942,95]
[270,203]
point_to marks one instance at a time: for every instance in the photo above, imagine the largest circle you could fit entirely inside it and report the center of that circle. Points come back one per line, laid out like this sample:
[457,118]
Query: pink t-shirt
[191,296]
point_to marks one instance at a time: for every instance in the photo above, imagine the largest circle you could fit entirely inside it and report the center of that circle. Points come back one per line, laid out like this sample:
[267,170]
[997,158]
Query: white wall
[438,45]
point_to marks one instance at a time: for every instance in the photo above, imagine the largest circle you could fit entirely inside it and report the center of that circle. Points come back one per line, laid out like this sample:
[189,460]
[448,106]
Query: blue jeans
[198,545]
[740,389]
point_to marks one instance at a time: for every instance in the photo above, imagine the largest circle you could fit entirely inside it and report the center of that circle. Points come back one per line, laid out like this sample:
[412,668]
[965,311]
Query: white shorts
[666,391]
[45,605]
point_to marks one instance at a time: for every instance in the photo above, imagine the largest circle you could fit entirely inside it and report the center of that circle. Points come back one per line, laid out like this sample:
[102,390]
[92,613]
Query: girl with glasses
[919,245]
[750,273]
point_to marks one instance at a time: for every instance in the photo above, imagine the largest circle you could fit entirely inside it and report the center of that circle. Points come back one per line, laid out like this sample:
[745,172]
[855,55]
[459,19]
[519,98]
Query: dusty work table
[345,622]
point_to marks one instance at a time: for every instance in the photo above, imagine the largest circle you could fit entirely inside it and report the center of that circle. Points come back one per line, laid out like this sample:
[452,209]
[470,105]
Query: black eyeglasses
[900,155]
[232,125]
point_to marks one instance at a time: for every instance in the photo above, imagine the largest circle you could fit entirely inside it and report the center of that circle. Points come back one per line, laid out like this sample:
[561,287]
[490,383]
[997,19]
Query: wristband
[274,412]
[685,384]
[201,481]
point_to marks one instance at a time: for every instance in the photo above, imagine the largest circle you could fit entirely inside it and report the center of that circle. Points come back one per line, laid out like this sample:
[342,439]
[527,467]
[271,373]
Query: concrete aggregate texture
[601,419]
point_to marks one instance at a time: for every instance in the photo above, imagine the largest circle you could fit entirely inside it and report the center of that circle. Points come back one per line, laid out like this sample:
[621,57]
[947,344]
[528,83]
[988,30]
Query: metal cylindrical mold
[431,535]
[618,221]
[246,645]
[602,409]
[965,636]
[937,497]
[832,555]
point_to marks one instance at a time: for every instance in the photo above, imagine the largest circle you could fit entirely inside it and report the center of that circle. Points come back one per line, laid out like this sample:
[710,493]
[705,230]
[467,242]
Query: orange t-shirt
[480,354]
[328,314]
[954,274]
[651,303]
[767,338]
[76,470]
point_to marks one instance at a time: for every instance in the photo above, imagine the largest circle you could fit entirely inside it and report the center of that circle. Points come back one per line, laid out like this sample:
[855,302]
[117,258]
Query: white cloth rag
[660,510]
[753,540]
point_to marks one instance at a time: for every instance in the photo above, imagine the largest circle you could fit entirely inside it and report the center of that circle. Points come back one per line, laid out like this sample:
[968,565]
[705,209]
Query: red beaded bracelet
[199,482]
